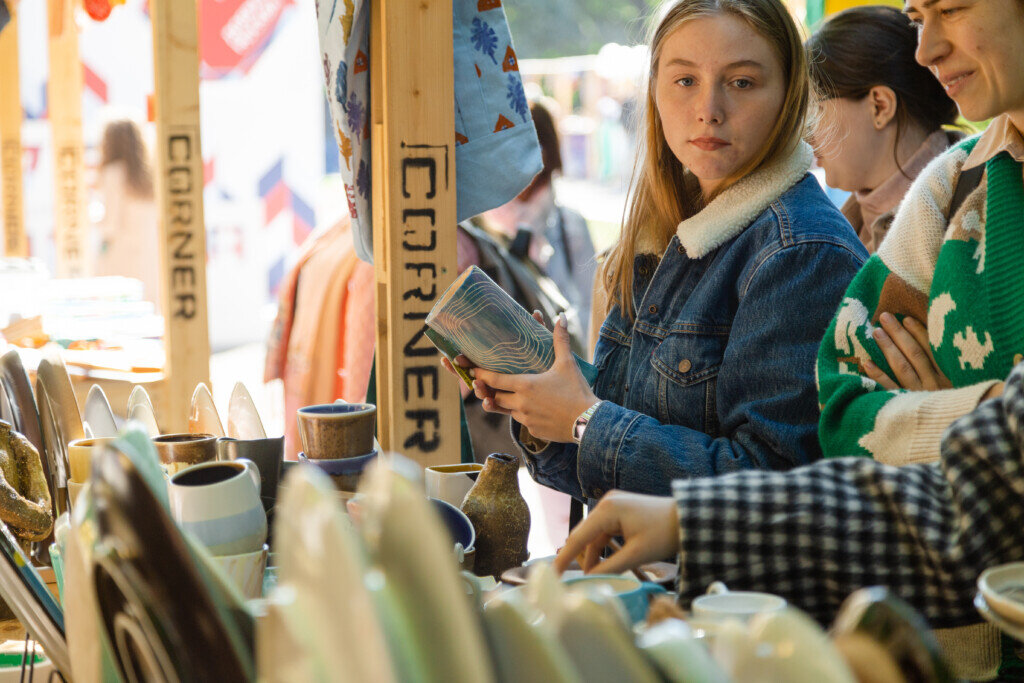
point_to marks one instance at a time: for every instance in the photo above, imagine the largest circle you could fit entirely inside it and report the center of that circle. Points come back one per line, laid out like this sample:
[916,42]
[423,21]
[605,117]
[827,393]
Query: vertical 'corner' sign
[425,176]
[185,250]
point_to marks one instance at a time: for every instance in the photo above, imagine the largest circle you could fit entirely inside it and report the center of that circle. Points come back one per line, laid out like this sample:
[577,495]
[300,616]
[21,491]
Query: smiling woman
[729,265]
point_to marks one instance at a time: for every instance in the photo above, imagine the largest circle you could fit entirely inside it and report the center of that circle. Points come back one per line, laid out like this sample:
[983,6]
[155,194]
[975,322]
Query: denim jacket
[716,374]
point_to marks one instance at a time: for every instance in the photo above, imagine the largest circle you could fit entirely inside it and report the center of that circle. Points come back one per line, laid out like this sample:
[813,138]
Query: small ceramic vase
[500,516]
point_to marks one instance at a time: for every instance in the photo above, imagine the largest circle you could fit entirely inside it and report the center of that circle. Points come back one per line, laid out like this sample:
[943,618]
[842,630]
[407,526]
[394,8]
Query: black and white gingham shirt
[815,534]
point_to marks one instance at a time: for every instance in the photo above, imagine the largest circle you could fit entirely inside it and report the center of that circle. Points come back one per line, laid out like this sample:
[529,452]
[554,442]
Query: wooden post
[179,185]
[11,192]
[413,115]
[64,104]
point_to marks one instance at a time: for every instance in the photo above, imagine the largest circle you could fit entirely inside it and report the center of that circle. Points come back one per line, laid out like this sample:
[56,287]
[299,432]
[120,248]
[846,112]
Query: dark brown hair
[122,142]
[550,152]
[863,47]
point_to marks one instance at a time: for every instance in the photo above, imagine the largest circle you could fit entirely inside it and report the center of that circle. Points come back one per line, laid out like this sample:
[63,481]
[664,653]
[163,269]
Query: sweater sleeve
[859,417]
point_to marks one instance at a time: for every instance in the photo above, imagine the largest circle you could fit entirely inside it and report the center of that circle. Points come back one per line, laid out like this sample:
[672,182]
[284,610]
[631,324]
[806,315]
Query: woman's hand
[907,350]
[547,404]
[649,525]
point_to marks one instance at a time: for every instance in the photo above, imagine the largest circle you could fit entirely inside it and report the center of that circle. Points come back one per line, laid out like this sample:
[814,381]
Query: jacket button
[681,249]
[1017,358]
[643,270]
[685,365]
[653,309]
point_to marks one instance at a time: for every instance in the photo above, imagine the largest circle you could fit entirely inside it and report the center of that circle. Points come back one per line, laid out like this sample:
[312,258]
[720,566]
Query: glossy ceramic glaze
[55,449]
[337,430]
[243,419]
[245,571]
[721,603]
[54,376]
[1003,589]
[219,503]
[267,454]
[525,651]
[203,417]
[178,451]
[451,483]
[344,472]
[97,414]
[635,595]
[599,644]
[799,650]
[80,453]
[680,656]
[140,409]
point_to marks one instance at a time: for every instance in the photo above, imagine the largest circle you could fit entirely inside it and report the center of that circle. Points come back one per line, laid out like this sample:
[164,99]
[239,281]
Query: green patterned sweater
[963,278]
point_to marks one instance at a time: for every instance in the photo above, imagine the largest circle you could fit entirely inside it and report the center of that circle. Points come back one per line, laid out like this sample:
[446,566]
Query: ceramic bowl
[336,430]
[345,472]
[635,595]
[461,530]
[1003,589]
[721,603]
[245,570]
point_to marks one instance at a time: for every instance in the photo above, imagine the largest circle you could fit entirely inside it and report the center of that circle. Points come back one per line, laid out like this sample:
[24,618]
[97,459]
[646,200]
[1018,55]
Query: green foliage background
[560,28]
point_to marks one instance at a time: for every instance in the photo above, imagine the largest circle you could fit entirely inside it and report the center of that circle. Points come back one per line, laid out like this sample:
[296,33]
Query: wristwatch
[582,421]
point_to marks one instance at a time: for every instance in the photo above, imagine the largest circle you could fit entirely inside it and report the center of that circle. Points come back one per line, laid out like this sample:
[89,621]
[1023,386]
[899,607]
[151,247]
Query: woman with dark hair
[128,230]
[880,119]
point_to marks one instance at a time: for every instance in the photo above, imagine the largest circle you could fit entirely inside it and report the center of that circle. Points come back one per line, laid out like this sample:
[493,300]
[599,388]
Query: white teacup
[451,483]
[722,603]
[245,571]
[219,503]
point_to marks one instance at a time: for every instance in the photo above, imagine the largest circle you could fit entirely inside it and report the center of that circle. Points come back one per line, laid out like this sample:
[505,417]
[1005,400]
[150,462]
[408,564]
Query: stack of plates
[1000,598]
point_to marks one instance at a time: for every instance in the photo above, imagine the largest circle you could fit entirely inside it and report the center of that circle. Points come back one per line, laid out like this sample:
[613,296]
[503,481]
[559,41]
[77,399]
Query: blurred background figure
[880,119]
[127,240]
[559,240]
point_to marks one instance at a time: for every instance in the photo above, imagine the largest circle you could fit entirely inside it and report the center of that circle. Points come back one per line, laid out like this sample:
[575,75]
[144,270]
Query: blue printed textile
[496,148]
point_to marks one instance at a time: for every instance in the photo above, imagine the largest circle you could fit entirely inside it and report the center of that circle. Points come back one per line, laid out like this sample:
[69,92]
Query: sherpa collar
[733,210]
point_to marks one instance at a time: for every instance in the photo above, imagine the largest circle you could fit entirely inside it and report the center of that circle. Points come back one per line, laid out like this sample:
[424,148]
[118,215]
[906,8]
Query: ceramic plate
[203,417]
[140,409]
[412,548]
[1008,627]
[243,419]
[144,569]
[323,562]
[663,573]
[98,415]
[55,378]
[55,449]
[18,391]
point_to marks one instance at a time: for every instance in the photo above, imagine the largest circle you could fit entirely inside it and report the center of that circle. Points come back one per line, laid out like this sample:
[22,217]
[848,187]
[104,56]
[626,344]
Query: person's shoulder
[804,214]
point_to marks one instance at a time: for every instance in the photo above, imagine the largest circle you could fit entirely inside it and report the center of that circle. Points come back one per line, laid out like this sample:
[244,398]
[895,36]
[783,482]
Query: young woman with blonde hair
[730,264]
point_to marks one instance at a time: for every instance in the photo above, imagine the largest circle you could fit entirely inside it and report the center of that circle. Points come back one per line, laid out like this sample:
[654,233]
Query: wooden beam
[11,188]
[413,115]
[179,185]
[64,104]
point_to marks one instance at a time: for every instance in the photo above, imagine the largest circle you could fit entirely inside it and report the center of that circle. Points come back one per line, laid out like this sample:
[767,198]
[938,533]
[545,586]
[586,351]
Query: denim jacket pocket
[687,364]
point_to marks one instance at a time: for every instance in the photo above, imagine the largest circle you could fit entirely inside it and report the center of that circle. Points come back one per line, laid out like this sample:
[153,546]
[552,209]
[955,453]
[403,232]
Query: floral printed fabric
[496,149]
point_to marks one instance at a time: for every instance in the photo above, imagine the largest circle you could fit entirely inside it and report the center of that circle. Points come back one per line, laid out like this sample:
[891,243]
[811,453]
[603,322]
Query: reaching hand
[909,353]
[649,525]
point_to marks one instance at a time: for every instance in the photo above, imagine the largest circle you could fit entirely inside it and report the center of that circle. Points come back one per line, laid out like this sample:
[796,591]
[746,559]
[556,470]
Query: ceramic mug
[80,452]
[451,483]
[722,603]
[74,490]
[337,430]
[219,503]
[634,594]
[245,570]
[178,451]
[267,454]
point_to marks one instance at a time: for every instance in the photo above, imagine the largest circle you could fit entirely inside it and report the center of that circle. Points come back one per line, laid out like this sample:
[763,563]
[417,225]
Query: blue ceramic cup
[634,594]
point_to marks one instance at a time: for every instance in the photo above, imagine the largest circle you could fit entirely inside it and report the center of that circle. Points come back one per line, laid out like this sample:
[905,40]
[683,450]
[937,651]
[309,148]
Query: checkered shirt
[815,534]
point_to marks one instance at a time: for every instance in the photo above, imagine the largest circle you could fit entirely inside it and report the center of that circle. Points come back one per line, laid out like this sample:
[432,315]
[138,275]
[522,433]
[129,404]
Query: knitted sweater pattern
[963,278]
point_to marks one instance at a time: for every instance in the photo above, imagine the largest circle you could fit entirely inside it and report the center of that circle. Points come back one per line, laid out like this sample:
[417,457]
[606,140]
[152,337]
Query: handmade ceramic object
[789,646]
[413,550]
[178,451]
[203,417]
[55,451]
[18,390]
[243,419]
[267,454]
[722,603]
[680,656]
[140,409]
[524,650]
[74,491]
[245,570]
[337,430]
[25,503]
[599,644]
[1003,588]
[80,453]
[54,376]
[344,472]
[477,318]
[451,483]
[897,630]
[156,608]
[635,595]
[500,516]
[461,531]
[329,616]
[219,503]
[97,414]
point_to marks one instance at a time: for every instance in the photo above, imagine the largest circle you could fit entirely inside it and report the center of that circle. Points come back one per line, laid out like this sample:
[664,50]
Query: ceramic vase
[500,516]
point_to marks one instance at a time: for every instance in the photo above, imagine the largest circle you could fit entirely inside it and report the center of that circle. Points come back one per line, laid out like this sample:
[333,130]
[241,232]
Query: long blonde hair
[661,195]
